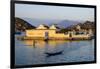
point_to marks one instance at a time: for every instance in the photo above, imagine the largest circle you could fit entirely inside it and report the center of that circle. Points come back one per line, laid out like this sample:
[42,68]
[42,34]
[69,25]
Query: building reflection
[42,43]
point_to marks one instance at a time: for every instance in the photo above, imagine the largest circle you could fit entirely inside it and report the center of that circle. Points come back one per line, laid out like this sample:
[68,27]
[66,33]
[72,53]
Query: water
[31,52]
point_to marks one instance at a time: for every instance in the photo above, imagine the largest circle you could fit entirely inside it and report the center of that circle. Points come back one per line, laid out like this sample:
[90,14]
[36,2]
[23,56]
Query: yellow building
[45,32]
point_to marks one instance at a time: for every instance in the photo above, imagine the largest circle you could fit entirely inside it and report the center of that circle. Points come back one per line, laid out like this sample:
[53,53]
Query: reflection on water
[34,51]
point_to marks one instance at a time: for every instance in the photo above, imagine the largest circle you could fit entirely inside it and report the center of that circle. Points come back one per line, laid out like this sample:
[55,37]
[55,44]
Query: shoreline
[51,38]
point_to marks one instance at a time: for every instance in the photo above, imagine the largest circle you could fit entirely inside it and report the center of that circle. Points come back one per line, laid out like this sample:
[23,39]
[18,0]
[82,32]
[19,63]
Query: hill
[67,23]
[86,25]
[21,25]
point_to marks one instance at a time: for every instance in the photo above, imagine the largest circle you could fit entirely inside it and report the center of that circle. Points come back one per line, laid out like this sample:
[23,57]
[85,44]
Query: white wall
[5,34]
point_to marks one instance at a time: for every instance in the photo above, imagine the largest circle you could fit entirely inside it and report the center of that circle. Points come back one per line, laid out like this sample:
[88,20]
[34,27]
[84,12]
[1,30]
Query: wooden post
[34,43]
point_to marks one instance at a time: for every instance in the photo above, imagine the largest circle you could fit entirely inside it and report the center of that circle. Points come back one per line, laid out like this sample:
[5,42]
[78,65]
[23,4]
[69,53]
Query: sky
[53,12]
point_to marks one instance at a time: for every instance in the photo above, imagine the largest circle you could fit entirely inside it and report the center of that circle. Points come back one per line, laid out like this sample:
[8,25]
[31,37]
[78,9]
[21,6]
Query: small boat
[53,54]
[18,33]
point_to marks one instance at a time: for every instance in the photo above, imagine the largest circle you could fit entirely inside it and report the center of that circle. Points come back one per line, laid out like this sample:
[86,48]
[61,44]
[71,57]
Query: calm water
[30,52]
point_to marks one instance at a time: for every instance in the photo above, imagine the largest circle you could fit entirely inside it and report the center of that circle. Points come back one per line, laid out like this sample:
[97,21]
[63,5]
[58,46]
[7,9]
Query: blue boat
[18,33]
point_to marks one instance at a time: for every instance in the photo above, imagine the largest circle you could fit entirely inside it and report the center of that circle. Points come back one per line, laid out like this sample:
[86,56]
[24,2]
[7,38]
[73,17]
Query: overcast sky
[53,12]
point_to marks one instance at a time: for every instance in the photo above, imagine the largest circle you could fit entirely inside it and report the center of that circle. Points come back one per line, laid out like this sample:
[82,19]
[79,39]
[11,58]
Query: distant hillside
[36,22]
[67,23]
[21,25]
[61,23]
[86,25]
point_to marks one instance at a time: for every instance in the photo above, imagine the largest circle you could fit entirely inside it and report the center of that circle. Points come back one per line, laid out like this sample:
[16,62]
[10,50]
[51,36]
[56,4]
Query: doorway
[46,35]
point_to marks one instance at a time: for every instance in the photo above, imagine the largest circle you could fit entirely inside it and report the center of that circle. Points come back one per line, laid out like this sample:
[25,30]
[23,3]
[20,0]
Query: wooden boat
[53,54]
